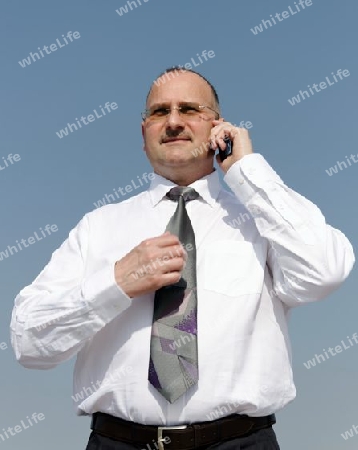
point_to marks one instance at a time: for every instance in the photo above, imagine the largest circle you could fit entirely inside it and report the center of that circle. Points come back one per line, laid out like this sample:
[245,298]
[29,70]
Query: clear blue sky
[115,59]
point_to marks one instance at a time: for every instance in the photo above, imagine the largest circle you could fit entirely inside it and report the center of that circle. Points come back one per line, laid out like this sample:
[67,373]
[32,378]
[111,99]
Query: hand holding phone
[227,132]
[228,150]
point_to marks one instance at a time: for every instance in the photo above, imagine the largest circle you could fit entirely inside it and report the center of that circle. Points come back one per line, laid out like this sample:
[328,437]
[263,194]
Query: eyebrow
[158,105]
[167,104]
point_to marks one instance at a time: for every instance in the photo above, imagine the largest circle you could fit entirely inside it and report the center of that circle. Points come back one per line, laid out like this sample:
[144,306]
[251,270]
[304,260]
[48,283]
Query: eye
[189,109]
[159,112]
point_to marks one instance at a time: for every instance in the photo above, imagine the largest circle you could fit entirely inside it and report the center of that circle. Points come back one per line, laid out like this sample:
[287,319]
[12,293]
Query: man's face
[171,140]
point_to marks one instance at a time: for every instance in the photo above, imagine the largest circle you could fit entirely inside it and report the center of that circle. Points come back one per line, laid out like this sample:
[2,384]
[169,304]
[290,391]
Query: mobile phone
[228,150]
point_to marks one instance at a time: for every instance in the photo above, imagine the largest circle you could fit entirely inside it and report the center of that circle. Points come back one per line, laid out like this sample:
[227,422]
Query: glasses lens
[188,110]
[157,112]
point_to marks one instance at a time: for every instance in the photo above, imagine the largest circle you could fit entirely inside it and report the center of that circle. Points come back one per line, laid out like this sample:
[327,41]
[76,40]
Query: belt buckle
[161,440]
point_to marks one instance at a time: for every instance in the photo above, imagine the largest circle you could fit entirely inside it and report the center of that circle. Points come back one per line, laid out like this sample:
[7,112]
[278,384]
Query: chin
[178,153]
[180,159]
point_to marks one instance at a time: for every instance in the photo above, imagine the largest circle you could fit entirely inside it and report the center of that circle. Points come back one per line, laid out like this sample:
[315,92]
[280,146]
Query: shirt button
[241,181]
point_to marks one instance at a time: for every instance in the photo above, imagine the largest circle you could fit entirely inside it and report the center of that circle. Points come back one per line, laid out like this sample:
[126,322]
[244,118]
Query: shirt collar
[208,188]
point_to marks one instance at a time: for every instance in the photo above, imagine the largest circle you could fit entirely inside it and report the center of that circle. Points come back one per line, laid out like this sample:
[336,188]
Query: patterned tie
[173,365]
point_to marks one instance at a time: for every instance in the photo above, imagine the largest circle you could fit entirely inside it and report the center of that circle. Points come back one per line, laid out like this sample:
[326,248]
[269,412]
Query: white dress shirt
[251,269]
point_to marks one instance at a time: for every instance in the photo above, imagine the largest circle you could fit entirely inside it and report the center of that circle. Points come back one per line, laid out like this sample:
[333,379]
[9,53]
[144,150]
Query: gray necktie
[173,366]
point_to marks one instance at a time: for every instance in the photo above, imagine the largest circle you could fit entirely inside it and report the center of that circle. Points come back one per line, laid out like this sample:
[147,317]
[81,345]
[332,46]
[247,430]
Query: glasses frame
[145,113]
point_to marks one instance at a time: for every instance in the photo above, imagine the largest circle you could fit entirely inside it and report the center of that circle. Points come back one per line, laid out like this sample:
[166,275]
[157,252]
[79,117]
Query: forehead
[180,87]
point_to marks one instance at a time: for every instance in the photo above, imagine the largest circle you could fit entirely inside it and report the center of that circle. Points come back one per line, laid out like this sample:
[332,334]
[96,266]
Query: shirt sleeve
[308,258]
[62,309]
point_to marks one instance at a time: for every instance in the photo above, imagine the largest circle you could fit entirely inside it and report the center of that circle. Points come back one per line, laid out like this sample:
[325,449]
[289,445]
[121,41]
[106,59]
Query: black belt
[182,437]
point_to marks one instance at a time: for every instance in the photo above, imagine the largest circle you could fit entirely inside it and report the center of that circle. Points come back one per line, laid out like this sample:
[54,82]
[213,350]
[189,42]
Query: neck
[183,179]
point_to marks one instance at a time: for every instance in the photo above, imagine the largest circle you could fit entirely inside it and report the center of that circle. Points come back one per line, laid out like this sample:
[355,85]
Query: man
[176,300]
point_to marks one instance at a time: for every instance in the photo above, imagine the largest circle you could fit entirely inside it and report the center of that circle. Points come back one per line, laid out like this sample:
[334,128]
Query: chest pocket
[233,268]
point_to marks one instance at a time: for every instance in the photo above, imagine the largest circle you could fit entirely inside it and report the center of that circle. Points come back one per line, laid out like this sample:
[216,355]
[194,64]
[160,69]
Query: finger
[170,278]
[166,239]
[172,265]
[221,143]
[219,140]
[173,251]
[214,139]
[213,144]
[217,135]
[224,133]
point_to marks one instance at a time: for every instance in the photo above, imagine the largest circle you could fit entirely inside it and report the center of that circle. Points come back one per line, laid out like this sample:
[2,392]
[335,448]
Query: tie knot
[187,193]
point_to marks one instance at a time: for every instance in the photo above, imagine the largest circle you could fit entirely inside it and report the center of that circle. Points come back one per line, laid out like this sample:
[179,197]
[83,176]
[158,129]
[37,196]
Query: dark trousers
[264,439]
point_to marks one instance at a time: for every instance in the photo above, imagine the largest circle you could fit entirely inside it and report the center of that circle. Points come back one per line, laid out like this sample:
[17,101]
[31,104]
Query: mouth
[175,139]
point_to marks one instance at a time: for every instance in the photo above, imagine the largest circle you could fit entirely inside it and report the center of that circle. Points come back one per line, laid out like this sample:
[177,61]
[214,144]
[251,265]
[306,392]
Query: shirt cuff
[250,174]
[104,296]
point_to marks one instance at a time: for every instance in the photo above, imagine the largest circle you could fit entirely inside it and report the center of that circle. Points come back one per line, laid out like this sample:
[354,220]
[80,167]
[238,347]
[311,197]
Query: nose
[174,119]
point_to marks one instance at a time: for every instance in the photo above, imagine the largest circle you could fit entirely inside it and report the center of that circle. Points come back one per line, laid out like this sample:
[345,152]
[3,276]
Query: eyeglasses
[189,111]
